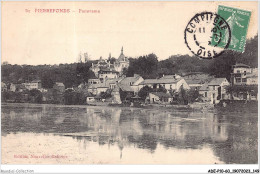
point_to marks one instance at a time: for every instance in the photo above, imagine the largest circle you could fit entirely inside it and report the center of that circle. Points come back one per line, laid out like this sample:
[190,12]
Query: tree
[193,95]
[160,89]
[35,96]
[105,95]
[182,97]
[144,92]
[146,66]
[123,94]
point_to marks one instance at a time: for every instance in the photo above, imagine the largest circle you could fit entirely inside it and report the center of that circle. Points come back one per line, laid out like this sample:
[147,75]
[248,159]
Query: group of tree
[148,66]
[69,74]
[182,96]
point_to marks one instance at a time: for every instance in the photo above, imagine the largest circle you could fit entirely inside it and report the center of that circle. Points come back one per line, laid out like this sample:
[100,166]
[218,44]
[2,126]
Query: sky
[140,27]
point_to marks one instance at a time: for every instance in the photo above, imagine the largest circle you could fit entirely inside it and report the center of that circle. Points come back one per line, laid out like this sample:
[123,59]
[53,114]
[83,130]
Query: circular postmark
[207,35]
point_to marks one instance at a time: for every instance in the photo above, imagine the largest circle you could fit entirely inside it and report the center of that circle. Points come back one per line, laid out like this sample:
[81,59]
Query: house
[96,89]
[131,84]
[195,80]
[93,88]
[170,84]
[17,87]
[35,84]
[3,87]
[13,87]
[204,92]
[160,97]
[59,87]
[174,76]
[116,95]
[245,80]
[215,90]
[104,74]
[244,75]
[90,98]
[93,81]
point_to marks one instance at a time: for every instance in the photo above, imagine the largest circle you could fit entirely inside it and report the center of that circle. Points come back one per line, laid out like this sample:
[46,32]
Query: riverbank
[232,106]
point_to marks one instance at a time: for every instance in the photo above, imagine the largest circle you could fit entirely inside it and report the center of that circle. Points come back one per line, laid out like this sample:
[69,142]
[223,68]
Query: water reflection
[232,137]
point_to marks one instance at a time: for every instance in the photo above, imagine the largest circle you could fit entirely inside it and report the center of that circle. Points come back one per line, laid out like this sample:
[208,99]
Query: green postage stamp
[238,21]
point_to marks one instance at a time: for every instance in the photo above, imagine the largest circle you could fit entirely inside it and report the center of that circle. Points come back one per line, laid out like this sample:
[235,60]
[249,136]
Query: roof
[170,76]
[107,70]
[161,94]
[122,56]
[216,81]
[204,87]
[159,81]
[125,87]
[194,81]
[20,86]
[241,65]
[35,81]
[128,80]
[105,84]
[251,75]
[59,84]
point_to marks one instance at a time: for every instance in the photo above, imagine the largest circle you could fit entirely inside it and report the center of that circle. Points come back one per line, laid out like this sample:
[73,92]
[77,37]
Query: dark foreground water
[53,134]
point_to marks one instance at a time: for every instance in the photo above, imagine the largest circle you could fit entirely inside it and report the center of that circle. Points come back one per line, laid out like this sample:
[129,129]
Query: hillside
[147,66]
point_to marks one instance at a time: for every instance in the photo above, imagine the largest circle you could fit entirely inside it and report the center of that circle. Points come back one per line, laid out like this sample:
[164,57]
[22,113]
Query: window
[213,87]
[131,83]
[238,71]
[244,80]
[244,73]
[238,80]
[206,94]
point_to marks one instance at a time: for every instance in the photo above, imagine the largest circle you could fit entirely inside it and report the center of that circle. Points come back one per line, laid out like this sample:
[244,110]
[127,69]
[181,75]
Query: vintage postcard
[129,83]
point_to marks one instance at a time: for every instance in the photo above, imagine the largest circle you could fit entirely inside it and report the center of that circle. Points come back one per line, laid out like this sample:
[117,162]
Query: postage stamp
[202,29]
[238,21]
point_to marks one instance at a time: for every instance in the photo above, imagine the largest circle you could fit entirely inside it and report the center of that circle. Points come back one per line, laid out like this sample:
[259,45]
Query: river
[56,134]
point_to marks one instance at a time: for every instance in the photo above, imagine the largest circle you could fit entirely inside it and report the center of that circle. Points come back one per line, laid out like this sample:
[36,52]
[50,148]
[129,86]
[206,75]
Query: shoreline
[188,108]
[201,107]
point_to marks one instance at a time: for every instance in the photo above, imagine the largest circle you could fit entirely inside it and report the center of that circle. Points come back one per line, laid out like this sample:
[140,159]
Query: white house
[35,84]
[244,75]
[214,91]
[160,98]
[168,84]
[131,84]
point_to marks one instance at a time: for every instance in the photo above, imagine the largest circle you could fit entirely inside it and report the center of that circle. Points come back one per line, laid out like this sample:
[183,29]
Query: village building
[160,98]
[195,80]
[215,90]
[174,76]
[204,92]
[13,87]
[94,81]
[106,73]
[59,87]
[244,75]
[131,84]
[35,84]
[3,87]
[116,95]
[170,84]
[17,87]
[96,89]
[244,81]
